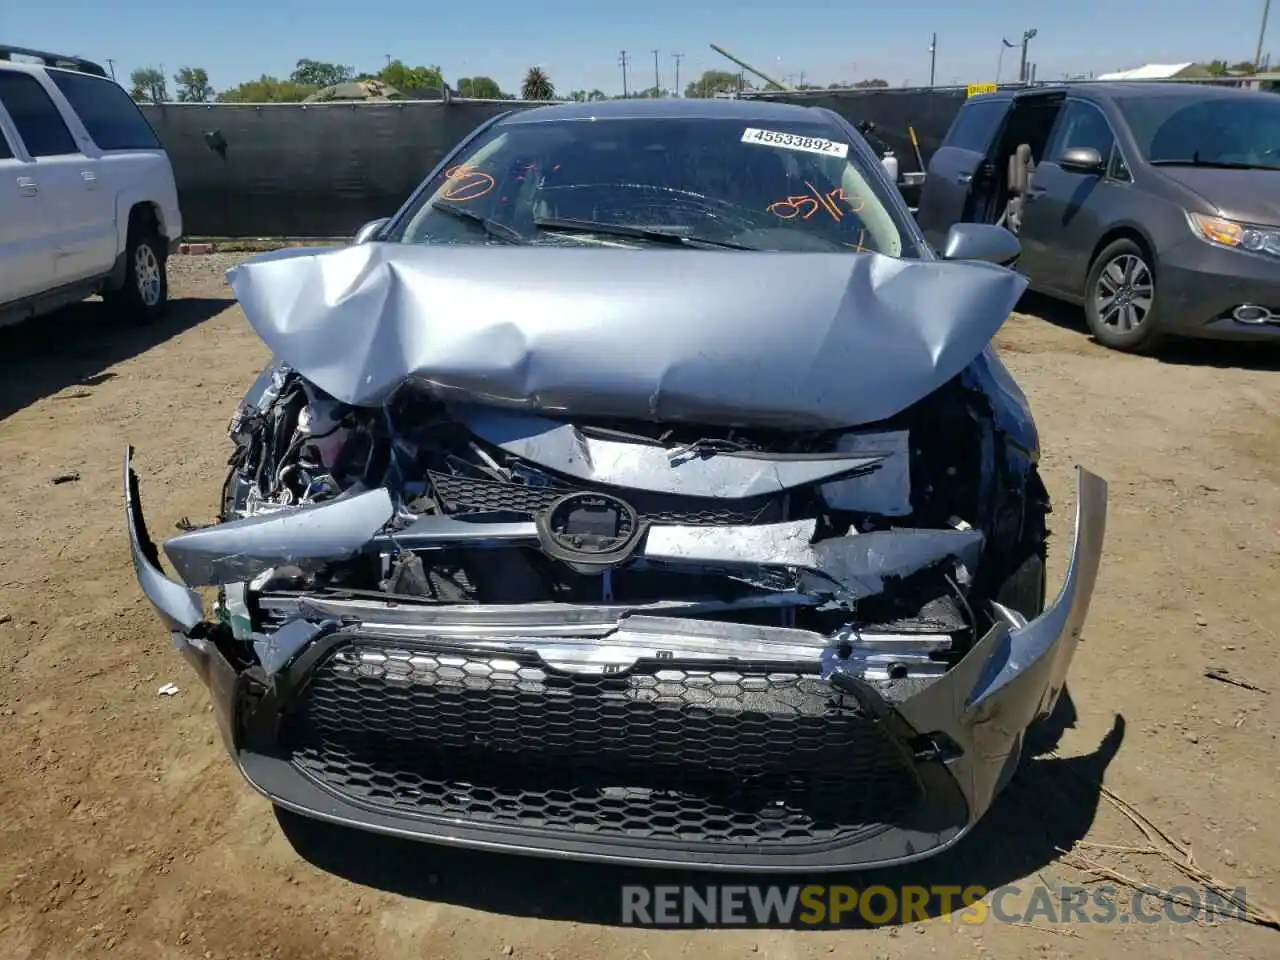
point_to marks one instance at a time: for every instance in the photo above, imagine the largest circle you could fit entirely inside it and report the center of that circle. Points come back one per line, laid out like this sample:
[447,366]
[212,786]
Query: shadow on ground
[74,347]
[1199,353]
[1048,806]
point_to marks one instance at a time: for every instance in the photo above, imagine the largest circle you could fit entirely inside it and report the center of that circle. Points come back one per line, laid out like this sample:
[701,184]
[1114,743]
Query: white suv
[87,198]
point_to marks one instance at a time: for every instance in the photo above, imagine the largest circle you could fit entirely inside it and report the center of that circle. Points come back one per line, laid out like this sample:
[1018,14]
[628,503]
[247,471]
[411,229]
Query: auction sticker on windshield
[791,141]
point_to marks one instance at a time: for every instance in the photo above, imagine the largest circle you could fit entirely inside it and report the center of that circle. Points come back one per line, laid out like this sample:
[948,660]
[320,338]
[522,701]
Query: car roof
[42,59]
[23,66]
[1127,90]
[669,108]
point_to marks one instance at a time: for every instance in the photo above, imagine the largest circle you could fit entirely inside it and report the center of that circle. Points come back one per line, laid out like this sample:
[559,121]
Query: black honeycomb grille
[464,495]
[669,753]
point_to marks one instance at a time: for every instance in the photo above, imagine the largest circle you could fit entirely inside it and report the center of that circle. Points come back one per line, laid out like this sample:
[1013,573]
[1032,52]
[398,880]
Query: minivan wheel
[144,297]
[1120,298]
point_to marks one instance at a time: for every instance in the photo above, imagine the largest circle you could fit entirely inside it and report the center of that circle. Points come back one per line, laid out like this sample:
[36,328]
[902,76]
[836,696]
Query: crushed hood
[782,340]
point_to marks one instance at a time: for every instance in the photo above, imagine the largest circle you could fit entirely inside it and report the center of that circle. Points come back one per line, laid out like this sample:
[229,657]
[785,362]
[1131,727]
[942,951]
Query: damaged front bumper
[645,736]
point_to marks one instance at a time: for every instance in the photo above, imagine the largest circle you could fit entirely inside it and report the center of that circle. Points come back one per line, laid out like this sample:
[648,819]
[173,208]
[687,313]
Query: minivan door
[944,198]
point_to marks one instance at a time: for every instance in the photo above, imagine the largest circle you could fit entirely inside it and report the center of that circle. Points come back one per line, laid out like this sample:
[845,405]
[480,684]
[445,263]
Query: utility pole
[111,65]
[657,82]
[1027,37]
[676,57]
[802,76]
[622,62]
[388,56]
[933,57]
[1262,33]
[1004,45]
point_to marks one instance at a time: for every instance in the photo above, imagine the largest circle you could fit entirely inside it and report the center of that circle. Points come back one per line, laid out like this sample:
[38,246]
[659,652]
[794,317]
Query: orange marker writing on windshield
[464,183]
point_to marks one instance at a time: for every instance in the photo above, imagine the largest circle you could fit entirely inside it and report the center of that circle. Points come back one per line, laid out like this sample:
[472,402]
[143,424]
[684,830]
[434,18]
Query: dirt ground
[126,832]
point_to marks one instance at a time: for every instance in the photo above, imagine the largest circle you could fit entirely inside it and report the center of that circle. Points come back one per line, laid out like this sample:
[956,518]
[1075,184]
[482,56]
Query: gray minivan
[1155,206]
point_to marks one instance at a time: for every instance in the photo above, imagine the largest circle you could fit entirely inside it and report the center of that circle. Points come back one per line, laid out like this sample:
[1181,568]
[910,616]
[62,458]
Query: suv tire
[1123,272]
[144,297]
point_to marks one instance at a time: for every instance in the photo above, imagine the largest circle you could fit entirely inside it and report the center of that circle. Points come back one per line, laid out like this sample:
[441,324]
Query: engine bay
[930,479]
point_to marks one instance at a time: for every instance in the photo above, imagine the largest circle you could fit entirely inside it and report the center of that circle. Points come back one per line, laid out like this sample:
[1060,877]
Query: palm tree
[537,85]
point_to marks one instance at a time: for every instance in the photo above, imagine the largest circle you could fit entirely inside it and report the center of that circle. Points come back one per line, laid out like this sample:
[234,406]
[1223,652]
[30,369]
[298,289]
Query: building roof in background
[1157,71]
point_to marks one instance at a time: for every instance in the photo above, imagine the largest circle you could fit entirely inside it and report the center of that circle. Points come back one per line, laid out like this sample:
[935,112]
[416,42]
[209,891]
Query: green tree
[317,73]
[411,78]
[712,82]
[148,83]
[267,90]
[587,96]
[1246,67]
[537,85]
[873,82]
[480,88]
[193,85]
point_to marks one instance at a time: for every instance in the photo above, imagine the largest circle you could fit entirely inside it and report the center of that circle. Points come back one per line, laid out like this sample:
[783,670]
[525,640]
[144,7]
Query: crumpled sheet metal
[857,563]
[567,450]
[305,536]
[783,340]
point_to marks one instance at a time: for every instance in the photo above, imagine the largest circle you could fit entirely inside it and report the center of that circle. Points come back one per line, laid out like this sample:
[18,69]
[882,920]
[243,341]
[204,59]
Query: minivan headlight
[1239,236]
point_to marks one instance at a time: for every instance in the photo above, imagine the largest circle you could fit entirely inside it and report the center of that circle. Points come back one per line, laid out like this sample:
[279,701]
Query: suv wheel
[1120,298]
[145,294]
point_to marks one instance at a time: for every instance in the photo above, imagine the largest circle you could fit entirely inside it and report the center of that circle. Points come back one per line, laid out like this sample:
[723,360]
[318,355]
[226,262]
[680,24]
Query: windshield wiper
[1195,161]
[656,234]
[494,229]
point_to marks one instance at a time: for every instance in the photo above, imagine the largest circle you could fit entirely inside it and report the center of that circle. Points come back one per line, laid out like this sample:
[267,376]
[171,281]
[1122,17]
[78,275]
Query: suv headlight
[1239,236]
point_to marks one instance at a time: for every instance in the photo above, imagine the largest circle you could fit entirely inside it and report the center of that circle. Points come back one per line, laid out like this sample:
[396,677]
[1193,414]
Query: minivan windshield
[648,181]
[1196,130]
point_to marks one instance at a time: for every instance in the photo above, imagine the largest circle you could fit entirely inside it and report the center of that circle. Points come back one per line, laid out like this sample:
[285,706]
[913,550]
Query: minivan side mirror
[370,230]
[1081,160]
[981,241]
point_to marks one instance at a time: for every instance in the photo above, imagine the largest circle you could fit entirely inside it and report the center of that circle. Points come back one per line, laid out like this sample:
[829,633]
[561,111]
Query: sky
[578,44]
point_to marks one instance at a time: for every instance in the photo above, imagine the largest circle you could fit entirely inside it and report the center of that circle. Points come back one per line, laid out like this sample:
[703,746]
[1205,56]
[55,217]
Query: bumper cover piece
[667,742]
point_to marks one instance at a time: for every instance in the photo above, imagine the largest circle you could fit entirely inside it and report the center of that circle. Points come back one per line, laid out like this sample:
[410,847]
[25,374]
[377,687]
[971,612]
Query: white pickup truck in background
[87,196]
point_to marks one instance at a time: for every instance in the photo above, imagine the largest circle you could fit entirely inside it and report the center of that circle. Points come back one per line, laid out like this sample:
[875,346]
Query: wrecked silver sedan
[645,490]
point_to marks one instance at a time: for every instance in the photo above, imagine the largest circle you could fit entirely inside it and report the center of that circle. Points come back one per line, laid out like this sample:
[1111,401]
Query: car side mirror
[981,241]
[1081,160]
[370,230]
